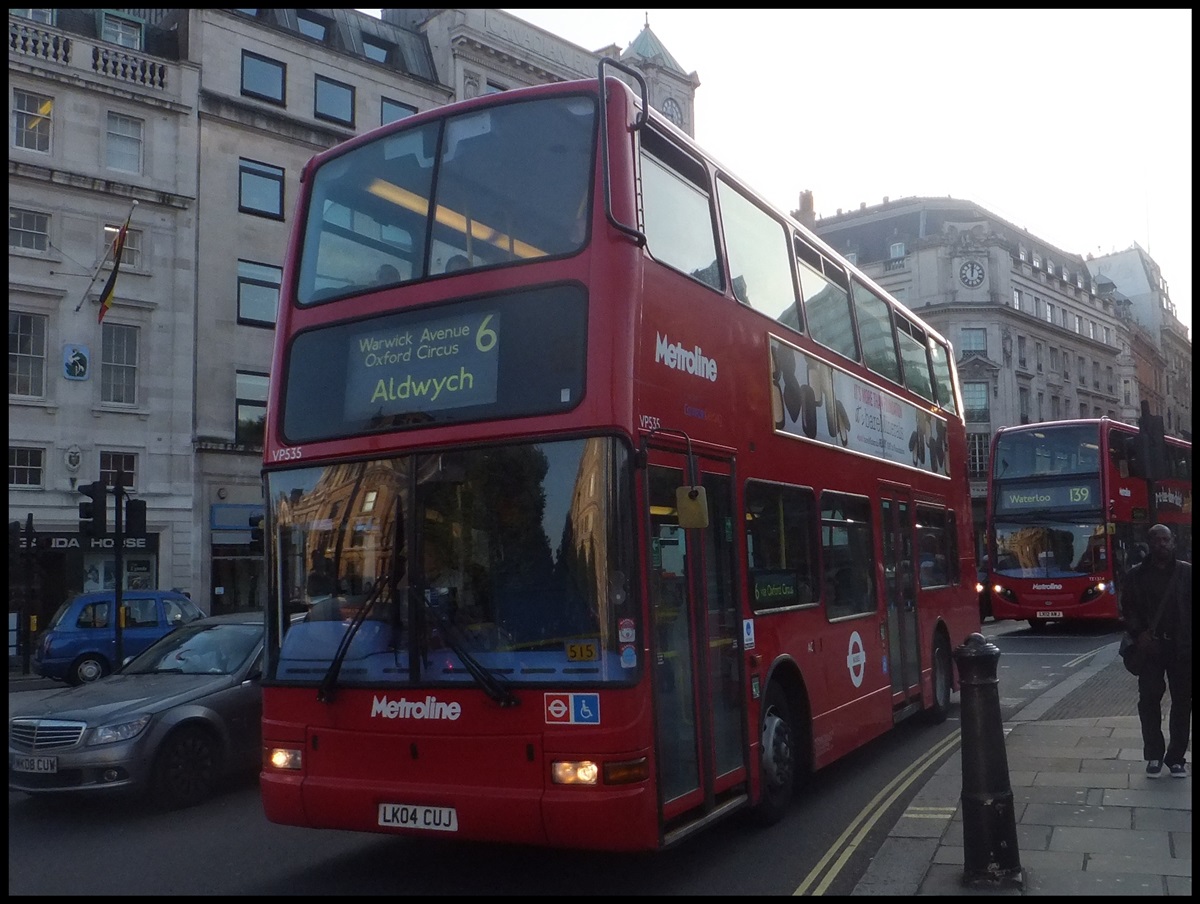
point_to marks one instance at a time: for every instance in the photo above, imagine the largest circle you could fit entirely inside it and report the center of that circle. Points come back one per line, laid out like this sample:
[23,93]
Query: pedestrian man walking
[1162,582]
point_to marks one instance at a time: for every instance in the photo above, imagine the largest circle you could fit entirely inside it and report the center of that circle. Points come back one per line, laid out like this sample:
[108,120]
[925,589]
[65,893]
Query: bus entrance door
[899,563]
[699,704]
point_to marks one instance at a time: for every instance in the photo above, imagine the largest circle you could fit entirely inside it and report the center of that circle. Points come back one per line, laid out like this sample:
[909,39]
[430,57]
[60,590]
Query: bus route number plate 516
[408,816]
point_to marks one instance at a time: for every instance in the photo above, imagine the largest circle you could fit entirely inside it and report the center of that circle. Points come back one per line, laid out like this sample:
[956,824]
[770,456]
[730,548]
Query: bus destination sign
[1074,495]
[448,362]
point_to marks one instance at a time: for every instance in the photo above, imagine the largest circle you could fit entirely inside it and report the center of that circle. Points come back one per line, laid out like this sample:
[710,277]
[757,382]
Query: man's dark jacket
[1138,608]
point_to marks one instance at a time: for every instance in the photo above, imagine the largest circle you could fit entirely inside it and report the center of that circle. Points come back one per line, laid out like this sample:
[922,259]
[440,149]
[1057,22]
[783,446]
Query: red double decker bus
[1068,508]
[604,500]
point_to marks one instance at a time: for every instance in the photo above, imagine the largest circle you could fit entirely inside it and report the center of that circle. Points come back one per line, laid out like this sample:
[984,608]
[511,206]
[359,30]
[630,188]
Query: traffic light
[14,537]
[256,534]
[93,514]
[135,517]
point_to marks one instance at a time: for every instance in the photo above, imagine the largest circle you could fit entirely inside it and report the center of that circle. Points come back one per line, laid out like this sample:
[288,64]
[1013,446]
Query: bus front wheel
[779,756]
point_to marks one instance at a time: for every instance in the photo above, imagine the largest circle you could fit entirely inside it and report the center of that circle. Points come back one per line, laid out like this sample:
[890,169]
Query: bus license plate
[41,764]
[1049,614]
[407,816]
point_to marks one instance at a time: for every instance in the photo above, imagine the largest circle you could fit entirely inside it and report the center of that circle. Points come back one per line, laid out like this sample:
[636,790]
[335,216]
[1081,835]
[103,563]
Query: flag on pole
[110,287]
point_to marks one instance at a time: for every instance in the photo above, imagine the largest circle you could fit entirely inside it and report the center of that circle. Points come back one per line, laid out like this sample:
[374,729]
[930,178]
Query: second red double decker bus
[1068,508]
[604,499]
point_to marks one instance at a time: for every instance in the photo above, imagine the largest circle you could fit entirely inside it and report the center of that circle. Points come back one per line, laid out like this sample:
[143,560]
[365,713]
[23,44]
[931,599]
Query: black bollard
[990,855]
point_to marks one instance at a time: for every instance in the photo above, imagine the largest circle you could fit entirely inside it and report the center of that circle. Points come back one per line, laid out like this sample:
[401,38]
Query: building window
[26,355]
[260,189]
[1037,261]
[251,405]
[121,30]
[334,101]
[494,87]
[975,401]
[974,341]
[1108,376]
[1037,356]
[896,250]
[123,149]
[26,467]
[1023,254]
[1017,299]
[377,49]
[1037,307]
[258,293]
[32,118]
[264,78]
[1080,375]
[131,251]
[312,25]
[41,16]
[392,110]
[1095,375]
[1055,407]
[28,229]
[1049,269]
[1050,312]
[1021,351]
[1083,409]
[118,466]
[118,364]
[1054,360]
[977,455]
[1108,335]
[1078,324]
[1023,404]
[1041,401]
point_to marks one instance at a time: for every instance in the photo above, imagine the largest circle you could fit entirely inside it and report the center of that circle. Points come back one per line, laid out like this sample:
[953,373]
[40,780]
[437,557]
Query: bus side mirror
[691,507]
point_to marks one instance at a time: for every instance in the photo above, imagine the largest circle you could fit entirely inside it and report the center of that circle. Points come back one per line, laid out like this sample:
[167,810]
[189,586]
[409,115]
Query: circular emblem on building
[971,273]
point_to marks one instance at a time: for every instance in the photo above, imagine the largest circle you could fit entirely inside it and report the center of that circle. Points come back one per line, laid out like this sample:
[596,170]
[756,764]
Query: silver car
[173,722]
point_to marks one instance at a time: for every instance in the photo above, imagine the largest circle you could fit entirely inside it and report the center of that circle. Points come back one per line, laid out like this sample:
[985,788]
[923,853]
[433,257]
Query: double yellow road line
[840,852]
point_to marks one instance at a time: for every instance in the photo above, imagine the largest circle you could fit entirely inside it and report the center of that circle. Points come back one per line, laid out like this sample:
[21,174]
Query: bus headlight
[587,772]
[582,772]
[283,758]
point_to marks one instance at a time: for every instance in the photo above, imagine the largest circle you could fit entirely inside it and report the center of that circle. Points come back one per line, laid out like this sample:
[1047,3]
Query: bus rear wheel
[943,682]
[779,756]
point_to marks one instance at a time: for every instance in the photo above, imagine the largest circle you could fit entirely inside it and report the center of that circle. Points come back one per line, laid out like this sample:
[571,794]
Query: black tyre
[780,756]
[1038,624]
[187,768]
[943,682]
[87,668]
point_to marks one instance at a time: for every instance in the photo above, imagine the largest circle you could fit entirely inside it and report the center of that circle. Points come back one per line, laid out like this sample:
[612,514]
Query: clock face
[971,274]
[672,111]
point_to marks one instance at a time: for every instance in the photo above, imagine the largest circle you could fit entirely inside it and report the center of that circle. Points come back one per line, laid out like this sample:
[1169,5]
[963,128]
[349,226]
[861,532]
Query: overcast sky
[1074,125]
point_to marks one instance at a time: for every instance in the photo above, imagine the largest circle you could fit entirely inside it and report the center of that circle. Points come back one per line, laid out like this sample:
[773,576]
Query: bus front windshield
[507,184]
[1050,549]
[506,563]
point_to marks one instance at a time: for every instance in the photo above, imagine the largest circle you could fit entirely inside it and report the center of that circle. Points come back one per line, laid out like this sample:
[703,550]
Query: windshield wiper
[329,682]
[493,685]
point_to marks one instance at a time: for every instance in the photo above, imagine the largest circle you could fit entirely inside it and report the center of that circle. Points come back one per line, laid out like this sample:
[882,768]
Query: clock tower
[672,91]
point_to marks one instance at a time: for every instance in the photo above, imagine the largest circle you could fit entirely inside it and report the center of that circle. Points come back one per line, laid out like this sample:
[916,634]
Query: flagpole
[104,260]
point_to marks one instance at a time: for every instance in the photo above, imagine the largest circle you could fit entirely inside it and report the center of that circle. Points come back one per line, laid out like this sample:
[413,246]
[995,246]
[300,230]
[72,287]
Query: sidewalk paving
[1088,820]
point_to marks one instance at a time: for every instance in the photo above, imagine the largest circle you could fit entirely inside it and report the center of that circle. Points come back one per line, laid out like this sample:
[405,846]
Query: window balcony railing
[978,415]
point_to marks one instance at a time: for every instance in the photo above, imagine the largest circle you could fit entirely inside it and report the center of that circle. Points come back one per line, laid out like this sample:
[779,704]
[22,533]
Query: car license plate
[408,816]
[35,764]
[1049,614]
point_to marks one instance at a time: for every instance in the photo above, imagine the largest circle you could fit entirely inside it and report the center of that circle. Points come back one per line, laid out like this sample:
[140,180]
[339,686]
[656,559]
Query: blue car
[80,642]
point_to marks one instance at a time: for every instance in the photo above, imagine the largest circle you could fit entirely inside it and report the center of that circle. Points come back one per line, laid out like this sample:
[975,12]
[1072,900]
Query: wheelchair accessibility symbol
[572,709]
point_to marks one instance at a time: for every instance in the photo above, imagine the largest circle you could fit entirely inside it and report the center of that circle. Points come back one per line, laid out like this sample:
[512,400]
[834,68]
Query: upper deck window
[507,184]
[677,212]
[760,271]
[826,300]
